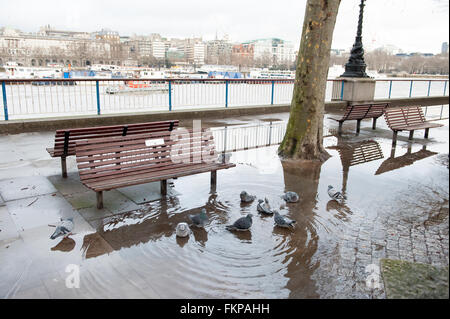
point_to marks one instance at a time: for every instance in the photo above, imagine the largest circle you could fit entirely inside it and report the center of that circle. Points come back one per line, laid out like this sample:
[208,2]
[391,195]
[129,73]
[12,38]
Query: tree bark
[304,133]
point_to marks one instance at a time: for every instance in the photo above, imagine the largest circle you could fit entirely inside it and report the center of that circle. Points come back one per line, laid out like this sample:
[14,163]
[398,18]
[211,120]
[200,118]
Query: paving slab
[25,187]
[410,280]
[19,169]
[68,186]
[9,156]
[37,211]
[113,201]
[93,213]
[14,263]
[8,230]
[39,292]
[86,199]
[142,193]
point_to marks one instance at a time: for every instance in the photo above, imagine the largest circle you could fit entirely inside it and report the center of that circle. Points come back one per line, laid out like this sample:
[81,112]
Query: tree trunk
[304,133]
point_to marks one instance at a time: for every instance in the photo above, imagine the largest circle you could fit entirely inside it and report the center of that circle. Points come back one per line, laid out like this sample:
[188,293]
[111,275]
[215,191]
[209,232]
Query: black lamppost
[356,67]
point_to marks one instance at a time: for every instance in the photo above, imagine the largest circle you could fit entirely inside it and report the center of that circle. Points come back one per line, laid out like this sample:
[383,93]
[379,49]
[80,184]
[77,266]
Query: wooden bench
[408,118]
[359,112]
[115,162]
[65,139]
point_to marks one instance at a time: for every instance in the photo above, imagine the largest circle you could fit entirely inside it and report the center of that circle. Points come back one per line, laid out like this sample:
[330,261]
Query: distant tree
[304,133]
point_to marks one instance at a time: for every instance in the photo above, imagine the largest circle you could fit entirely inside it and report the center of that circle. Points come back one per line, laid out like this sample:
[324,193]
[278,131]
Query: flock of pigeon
[263,207]
[65,227]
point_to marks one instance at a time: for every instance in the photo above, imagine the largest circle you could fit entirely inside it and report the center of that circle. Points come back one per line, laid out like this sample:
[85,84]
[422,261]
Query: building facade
[47,47]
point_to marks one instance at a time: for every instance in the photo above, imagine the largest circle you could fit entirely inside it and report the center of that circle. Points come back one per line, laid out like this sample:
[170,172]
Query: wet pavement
[396,207]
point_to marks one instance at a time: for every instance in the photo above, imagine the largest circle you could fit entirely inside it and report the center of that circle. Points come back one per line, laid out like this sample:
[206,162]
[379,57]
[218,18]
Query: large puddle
[267,261]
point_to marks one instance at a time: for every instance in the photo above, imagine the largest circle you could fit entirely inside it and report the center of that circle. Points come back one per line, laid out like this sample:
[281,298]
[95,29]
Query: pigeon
[247,198]
[290,197]
[283,221]
[182,230]
[243,223]
[264,206]
[334,194]
[224,158]
[200,219]
[64,228]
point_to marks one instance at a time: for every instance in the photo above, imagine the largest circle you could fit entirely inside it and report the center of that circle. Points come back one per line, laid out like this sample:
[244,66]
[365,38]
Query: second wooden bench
[359,112]
[407,118]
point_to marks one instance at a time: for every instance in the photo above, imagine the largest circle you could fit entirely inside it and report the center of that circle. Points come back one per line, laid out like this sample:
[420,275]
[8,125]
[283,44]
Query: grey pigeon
[64,228]
[264,206]
[290,197]
[200,219]
[283,221]
[243,223]
[334,194]
[224,158]
[246,197]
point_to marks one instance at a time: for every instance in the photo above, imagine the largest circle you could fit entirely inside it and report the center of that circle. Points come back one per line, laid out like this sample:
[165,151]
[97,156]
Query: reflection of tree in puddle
[302,178]
[66,245]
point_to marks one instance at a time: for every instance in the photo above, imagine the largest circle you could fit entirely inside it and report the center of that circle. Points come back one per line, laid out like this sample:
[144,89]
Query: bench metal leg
[374,123]
[99,200]
[358,126]
[426,132]
[64,167]
[411,134]
[213,179]
[163,187]
[393,151]
[340,128]
[394,138]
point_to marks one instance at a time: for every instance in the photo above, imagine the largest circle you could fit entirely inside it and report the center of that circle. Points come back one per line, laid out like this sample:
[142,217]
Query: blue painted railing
[25,98]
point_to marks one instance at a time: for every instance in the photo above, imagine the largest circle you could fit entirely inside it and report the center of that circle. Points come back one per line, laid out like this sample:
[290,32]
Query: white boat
[138,87]
[272,74]
[16,71]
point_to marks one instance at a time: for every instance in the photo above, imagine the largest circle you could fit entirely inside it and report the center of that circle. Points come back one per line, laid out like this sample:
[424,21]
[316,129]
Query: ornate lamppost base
[355,71]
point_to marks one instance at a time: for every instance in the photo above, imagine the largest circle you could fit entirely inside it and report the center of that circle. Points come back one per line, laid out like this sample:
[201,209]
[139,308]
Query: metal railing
[37,98]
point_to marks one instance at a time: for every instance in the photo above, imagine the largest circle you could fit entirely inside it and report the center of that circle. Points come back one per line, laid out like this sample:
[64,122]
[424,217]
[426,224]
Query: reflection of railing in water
[243,137]
[237,138]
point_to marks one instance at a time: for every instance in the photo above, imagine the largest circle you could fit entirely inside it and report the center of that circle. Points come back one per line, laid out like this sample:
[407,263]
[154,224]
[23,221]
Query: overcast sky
[412,25]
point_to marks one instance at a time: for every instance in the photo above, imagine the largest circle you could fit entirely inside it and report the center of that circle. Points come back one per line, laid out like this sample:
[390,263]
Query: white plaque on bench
[154,142]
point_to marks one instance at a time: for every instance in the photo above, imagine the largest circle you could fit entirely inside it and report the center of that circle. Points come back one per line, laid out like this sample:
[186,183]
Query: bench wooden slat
[123,174]
[165,151]
[112,162]
[84,146]
[111,165]
[141,179]
[359,112]
[409,118]
[77,134]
